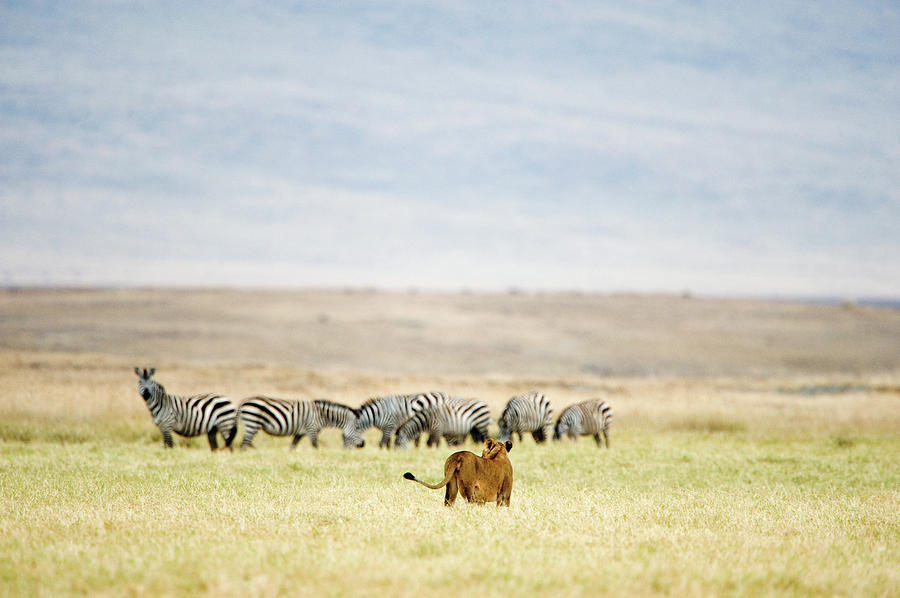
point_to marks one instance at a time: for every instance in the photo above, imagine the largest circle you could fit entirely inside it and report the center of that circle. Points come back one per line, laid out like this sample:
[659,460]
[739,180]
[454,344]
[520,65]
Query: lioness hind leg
[450,494]
[503,496]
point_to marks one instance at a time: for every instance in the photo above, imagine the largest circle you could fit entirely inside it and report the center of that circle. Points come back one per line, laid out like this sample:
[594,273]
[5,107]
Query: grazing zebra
[188,416]
[284,417]
[385,413]
[427,401]
[450,417]
[527,413]
[478,413]
[585,419]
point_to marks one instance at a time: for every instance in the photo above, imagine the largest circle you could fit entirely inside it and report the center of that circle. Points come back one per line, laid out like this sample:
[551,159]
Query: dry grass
[458,334]
[70,393]
[760,477]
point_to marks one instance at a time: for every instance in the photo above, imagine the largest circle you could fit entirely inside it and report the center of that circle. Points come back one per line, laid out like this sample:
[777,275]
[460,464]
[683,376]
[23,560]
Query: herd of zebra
[403,418]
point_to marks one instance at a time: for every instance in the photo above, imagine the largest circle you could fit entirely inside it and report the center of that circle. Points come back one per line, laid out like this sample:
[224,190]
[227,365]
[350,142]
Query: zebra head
[561,427]
[147,387]
[352,437]
[411,429]
[504,433]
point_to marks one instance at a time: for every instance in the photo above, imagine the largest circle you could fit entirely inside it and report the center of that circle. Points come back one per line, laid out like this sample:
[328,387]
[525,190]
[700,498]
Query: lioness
[487,478]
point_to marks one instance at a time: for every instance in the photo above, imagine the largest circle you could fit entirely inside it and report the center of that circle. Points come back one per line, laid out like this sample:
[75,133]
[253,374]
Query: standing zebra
[187,416]
[451,417]
[587,418]
[385,413]
[527,413]
[284,417]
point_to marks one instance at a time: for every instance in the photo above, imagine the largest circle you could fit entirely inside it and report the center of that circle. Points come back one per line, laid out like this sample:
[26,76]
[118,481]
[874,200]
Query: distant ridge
[888,302]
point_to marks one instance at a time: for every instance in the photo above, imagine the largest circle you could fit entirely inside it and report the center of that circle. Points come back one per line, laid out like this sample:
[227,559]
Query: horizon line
[892,301]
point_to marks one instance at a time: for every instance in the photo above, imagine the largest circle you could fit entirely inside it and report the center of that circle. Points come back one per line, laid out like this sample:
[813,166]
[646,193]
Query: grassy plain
[778,477]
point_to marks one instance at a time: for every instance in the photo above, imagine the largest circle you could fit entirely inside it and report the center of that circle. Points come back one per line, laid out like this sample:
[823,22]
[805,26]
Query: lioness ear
[508,445]
[492,448]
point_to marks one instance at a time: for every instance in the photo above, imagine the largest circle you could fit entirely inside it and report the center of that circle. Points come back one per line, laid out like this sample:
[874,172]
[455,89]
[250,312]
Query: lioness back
[479,479]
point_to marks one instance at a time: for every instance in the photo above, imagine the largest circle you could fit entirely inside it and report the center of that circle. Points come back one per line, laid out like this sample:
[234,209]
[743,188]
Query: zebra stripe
[343,417]
[385,413]
[527,413]
[427,401]
[588,418]
[286,417]
[477,411]
[441,415]
[191,416]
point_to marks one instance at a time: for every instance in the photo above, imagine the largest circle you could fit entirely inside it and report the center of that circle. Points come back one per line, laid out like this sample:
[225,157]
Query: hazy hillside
[541,334]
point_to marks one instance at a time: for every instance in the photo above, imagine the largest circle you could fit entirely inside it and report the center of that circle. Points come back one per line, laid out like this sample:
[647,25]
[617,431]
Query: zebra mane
[369,402]
[325,403]
[384,398]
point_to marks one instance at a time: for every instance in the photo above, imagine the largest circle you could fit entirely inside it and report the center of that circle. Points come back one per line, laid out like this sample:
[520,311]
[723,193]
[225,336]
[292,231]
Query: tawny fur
[487,478]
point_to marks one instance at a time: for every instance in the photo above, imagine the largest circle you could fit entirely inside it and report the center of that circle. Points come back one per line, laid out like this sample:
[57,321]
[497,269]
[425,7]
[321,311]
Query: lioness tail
[409,476]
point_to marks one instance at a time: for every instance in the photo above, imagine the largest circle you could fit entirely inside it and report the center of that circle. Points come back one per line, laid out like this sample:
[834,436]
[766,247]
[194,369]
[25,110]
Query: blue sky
[724,148]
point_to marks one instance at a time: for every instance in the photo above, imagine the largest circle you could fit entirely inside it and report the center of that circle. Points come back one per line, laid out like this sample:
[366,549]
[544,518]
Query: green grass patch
[707,424]
[659,514]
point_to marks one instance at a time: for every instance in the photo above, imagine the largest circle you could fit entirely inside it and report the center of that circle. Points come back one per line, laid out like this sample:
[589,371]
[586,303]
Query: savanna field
[754,449]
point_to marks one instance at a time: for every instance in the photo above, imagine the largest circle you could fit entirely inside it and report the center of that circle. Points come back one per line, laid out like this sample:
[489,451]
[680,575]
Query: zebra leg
[546,432]
[296,440]
[314,439]
[249,433]
[520,435]
[385,439]
[606,437]
[597,440]
[167,438]
[477,436]
[538,435]
[213,443]
[229,437]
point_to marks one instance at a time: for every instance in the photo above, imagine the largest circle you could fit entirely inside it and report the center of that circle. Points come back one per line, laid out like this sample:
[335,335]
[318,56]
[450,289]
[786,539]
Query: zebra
[527,413]
[451,417]
[590,417]
[287,417]
[187,416]
[385,413]
[427,401]
[478,413]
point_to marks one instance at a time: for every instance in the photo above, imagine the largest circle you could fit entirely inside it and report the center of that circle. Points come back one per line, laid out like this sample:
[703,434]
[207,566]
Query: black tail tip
[409,476]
